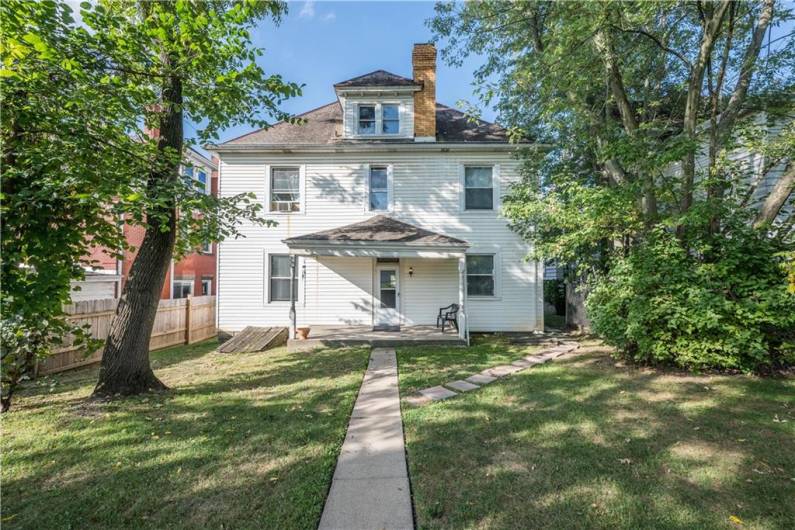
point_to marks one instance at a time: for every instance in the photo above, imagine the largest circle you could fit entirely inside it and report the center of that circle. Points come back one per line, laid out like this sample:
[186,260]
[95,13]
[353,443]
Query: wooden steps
[254,338]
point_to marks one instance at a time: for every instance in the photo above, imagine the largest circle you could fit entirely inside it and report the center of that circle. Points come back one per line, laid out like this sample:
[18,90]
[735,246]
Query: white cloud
[330,17]
[308,11]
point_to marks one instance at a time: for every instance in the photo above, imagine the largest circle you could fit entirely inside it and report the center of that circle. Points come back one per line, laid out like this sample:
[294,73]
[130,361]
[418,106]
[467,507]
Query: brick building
[195,274]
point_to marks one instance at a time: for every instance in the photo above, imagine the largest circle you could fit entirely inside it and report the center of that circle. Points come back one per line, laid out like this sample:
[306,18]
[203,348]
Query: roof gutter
[442,147]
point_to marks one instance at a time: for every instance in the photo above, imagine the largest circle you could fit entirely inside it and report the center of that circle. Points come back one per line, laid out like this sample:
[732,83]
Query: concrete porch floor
[337,336]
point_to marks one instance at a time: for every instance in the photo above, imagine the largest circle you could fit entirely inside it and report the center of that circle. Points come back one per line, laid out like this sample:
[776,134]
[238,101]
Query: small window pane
[480,264]
[388,298]
[378,178]
[477,177]
[390,112]
[280,290]
[391,118]
[379,200]
[367,112]
[479,199]
[367,119]
[280,266]
[188,171]
[480,285]
[388,279]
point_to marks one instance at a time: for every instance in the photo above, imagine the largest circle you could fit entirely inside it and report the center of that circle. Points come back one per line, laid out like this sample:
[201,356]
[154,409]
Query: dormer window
[390,114]
[378,119]
[366,119]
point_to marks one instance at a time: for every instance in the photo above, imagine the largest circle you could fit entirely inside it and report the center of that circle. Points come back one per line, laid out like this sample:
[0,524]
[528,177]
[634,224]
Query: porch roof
[380,235]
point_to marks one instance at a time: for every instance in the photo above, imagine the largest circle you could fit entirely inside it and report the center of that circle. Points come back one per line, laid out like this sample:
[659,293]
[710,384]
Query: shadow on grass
[251,442]
[585,443]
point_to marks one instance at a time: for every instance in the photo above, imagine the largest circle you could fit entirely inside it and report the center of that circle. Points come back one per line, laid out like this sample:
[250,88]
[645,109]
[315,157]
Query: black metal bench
[448,314]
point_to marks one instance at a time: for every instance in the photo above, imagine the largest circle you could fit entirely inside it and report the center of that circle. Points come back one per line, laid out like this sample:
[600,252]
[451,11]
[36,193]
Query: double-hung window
[279,279]
[201,181]
[285,189]
[478,188]
[480,275]
[390,118]
[366,119]
[379,188]
[182,288]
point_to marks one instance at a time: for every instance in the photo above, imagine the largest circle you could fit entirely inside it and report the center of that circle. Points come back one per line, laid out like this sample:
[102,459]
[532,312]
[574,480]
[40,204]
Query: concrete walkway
[370,489]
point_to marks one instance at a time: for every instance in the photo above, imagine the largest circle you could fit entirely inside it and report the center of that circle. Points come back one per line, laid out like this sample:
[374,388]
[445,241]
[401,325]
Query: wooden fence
[180,321]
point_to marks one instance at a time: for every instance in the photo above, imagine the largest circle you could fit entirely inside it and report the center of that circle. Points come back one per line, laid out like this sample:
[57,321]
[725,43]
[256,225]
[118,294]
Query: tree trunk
[777,198]
[692,102]
[125,365]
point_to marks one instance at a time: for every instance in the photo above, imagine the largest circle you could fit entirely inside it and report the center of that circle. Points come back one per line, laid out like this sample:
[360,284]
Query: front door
[387,303]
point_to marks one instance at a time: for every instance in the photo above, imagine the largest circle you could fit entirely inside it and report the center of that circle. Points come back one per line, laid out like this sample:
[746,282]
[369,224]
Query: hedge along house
[388,208]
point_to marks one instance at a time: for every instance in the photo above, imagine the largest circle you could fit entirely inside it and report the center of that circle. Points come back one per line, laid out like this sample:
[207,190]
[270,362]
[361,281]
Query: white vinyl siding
[426,191]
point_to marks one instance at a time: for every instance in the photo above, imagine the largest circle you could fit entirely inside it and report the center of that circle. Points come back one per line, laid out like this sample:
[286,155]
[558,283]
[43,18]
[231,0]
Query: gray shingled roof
[377,78]
[323,126]
[379,229]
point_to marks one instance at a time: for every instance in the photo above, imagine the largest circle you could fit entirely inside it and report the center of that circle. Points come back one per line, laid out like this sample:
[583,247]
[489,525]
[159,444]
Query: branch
[746,70]
[659,43]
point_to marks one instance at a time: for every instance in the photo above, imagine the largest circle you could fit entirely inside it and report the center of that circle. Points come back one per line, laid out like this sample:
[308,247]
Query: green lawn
[242,441]
[587,442]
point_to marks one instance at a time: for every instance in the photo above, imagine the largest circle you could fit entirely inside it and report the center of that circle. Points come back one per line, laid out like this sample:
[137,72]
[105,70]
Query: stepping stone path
[370,489]
[435,393]
[462,386]
[473,382]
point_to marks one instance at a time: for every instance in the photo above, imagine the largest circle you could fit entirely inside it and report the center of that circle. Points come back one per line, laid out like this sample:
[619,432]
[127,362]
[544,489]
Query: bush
[723,305]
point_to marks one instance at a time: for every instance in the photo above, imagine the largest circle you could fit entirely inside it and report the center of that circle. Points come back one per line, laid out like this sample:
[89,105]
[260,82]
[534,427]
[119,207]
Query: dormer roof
[378,78]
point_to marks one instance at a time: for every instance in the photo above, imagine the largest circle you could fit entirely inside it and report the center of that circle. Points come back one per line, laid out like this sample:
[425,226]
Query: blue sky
[321,43]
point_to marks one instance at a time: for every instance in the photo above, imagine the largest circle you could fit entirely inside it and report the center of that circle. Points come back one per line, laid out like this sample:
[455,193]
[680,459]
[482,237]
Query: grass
[424,366]
[587,442]
[243,441]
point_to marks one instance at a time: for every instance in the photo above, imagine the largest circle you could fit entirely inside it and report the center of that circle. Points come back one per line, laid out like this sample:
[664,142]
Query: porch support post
[463,324]
[293,270]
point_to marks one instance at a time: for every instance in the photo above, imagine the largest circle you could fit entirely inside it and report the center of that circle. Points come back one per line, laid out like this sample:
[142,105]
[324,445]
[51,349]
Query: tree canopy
[644,107]
[78,102]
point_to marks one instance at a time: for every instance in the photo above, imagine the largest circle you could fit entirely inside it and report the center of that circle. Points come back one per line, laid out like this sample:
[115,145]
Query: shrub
[725,305]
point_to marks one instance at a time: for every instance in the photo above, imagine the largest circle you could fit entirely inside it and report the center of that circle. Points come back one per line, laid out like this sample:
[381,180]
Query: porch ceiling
[379,236]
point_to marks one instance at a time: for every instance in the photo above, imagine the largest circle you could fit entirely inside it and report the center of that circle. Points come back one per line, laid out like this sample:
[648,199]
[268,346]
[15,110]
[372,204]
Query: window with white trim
[379,188]
[285,189]
[478,188]
[366,119]
[206,248]
[279,279]
[182,288]
[207,286]
[480,275]
[390,118]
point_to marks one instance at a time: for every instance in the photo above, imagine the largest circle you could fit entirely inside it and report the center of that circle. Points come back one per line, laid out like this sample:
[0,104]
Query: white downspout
[463,319]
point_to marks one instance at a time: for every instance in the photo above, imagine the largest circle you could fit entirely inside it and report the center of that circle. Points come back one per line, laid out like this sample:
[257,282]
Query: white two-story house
[388,208]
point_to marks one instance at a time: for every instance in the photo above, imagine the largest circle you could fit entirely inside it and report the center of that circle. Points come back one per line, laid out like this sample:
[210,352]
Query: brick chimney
[423,61]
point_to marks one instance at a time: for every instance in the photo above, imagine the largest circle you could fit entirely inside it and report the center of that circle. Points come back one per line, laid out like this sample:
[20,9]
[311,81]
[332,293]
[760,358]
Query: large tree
[77,100]
[645,105]
[197,62]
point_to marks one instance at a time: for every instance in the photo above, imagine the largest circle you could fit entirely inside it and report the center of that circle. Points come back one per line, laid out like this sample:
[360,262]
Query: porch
[373,276]
[340,336]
